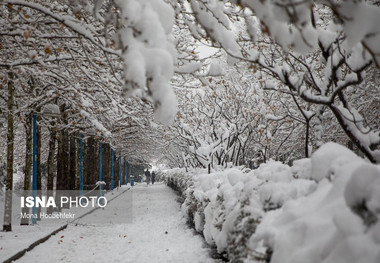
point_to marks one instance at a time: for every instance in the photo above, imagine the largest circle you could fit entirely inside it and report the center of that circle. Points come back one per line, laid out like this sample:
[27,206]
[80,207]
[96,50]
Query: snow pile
[323,209]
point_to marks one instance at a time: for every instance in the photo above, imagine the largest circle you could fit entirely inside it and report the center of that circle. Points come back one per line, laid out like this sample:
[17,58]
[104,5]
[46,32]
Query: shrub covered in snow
[338,222]
[323,209]
[178,179]
[227,206]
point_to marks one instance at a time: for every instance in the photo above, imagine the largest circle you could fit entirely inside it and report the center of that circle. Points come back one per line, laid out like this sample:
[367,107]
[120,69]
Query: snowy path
[155,233]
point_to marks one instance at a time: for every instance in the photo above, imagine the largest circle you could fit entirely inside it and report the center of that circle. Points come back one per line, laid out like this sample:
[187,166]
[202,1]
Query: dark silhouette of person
[147,175]
[153,177]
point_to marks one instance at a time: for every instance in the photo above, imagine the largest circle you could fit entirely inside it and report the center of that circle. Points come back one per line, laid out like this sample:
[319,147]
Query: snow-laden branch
[75,25]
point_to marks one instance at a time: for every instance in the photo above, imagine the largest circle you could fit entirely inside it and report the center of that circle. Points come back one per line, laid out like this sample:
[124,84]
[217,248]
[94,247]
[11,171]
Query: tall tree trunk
[123,171]
[63,172]
[77,168]
[28,163]
[39,172]
[237,157]
[50,165]
[119,171]
[63,169]
[59,184]
[91,163]
[106,165]
[66,159]
[73,163]
[318,127]
[7,225]
[60,167]
[97,162]
[307,135]
[84,147]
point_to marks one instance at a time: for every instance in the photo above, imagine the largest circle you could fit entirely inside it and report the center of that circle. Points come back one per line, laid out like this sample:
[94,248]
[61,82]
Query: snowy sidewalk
[157,233]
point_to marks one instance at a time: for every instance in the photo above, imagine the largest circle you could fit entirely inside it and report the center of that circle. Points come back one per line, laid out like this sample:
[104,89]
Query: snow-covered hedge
[323,209]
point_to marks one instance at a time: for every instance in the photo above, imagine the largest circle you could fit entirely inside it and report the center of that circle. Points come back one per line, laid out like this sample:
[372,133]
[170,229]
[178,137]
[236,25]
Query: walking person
[153,177]
[147,176]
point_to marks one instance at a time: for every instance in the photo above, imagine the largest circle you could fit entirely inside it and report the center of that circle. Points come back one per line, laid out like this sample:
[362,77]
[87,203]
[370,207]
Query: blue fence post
[120,172]
[112,170]
[34,186]
[81,164]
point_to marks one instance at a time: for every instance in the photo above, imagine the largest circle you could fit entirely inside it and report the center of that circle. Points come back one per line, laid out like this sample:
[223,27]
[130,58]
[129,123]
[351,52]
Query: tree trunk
[109,166]
[63,172]
[84,167]
[123,171]
[77,168]
[90,163]
[117,175]
[59,183]
[60,167]
[105,165]
[116,172]
[39,172]
[97,162]
[73,163]
[50,165]
[66,159]
[28,163]
[318,127]
[7,225]
[307,138]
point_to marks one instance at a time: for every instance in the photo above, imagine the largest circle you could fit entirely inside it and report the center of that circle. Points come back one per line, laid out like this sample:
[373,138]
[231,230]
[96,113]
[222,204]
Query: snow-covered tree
[320,50]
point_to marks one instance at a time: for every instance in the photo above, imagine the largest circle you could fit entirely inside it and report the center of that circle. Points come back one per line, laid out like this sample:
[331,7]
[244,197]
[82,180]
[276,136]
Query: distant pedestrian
[147,176]
[153,177]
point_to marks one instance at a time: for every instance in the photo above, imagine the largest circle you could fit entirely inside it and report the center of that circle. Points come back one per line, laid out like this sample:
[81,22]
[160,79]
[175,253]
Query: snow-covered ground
[156,232]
